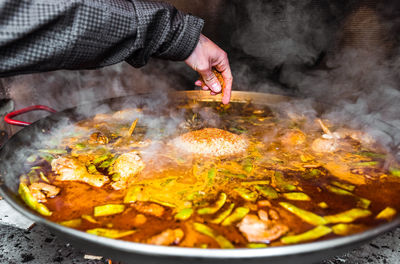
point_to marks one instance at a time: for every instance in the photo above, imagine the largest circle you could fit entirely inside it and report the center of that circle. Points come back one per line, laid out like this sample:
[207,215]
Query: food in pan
[212,176]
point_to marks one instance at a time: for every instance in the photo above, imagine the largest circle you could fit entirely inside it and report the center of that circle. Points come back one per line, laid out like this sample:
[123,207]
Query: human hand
[205,56]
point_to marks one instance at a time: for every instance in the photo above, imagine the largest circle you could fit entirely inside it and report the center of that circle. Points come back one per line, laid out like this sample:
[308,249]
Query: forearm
[49,35]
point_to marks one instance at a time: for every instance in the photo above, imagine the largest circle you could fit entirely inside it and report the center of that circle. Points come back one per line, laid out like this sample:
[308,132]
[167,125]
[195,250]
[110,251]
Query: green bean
[46,157]
[346,229]
[256,245]
[80,146]
[54,151]
[43,177]
[101,158]
[211,175]
[345,186]
[387,213]
[89,218]
[247,165]
[74,223]
[312,234]
[246,194]
[92,169]
[223,214]
[213,209]
[363,203]
[395,172]
[365,163]
[205,230]
[347,216]
[323,205]
[236,216]
[267,191]
[337,190]
[108,209]
[282,183]
[250,183]
[371,154]
[184,214]
[31,201]
[306,216]
[110,233]
[297,196]
[232,175]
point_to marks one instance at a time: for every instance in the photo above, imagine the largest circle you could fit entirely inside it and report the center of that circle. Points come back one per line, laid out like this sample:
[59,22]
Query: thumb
[211,81]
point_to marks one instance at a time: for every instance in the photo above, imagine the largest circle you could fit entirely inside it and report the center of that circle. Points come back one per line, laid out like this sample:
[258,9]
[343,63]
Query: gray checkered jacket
[45,35]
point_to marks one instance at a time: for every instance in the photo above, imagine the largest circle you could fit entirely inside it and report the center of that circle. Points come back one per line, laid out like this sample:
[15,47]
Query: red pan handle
[9,120]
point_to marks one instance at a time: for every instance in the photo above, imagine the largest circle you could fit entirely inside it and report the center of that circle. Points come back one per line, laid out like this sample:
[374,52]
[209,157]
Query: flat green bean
[217,205]
[267,191]
[306,216]
[347,216]
[236,216]
[312,234]
[224,214]
[205,230]
[246,194]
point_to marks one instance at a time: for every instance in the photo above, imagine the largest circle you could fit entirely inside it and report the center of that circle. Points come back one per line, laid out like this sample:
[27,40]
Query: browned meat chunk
[256,230]
[70,169]
[41,191]
[127,166]
[167,237]
[149,208]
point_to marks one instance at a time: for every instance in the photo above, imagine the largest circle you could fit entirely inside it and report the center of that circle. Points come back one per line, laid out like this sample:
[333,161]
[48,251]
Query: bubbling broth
[221,176]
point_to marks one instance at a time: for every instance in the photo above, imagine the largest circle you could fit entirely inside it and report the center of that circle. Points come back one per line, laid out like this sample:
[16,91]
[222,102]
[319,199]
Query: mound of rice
[211,142]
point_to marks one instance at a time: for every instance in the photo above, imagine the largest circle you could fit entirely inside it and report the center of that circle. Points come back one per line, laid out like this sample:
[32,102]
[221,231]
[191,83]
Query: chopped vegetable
[365,164]
[89,218]
[166,204]
[233,175]
[54,151]
[92,169]
[250,183]
[223,214]
[281,183]
[108,209]
[347,216]
[32,158]
[388,213]
[27,197]
[80,146]
[43,177]
[363,203]
[101,158]
[211,175]
[267,191]
[132,194]
[323,205]
[347,229]
[345,186]
[246,194]
[74,223]
[184,214]
[110,233]
[395,172]
[205,230]
[297,196]
[371,154]
[256,245]
[306,216]
[213,209]
[236,216]
[337,190]
[312,234]
[247,166]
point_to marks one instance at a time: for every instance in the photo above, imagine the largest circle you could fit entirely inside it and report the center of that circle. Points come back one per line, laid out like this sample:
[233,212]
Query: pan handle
[9,120]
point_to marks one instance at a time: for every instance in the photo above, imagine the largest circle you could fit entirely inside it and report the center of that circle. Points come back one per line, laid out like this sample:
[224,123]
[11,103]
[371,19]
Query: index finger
[225,70]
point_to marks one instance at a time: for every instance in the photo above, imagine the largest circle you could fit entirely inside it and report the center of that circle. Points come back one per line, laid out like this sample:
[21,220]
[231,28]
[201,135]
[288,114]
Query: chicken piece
[167,237]
[41,191]
[70,169]
[149,208]
[259,231]
[324,145]
[127,166]
[293,138]
[211,142]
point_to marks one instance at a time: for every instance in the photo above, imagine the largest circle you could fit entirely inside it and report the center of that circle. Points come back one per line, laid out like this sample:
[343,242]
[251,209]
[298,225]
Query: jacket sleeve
[45,35]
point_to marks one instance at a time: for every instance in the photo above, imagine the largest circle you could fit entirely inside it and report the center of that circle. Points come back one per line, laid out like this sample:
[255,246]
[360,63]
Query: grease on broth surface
[289,179]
